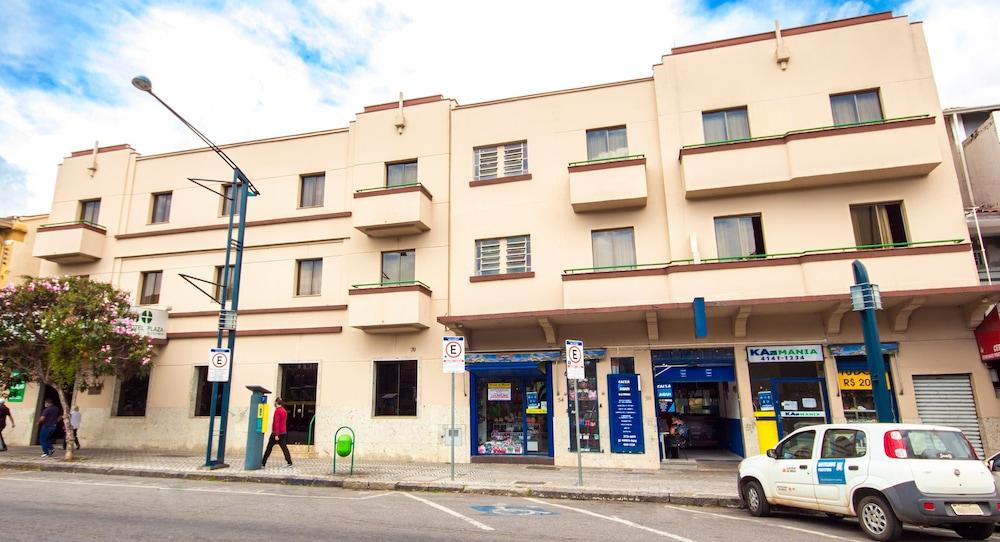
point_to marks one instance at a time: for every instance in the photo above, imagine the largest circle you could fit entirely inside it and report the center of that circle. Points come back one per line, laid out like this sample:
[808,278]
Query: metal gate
[947,400]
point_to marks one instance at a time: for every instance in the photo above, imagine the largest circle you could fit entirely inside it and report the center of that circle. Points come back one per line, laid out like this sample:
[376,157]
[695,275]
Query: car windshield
[925,444]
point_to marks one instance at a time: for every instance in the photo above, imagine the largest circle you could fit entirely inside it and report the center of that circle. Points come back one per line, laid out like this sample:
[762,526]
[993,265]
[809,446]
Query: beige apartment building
[749,172]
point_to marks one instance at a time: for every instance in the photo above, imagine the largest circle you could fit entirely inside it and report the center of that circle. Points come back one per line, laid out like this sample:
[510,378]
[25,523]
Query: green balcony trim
[769,256]
[375,285]
[605,160]
[72,223]
[804,131]
[386,187]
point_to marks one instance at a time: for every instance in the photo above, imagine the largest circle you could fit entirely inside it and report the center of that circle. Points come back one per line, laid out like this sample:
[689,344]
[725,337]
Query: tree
[69,332]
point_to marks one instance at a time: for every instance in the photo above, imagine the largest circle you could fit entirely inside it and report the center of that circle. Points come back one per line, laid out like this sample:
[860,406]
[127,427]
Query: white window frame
[510,159]
[503,255]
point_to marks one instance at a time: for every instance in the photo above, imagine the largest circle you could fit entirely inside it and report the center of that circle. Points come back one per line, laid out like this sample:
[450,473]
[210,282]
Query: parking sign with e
[574,360]
[453,354]
[218,364]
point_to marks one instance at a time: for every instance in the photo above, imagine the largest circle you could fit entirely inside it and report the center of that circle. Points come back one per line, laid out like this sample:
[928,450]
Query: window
[933,444]
[590,420]
[309,280]
[726,125]
[228,199]
[501,160]
[132,393]
[844,444]
[150,287]
[878,224]
[855,107]
[506,255]
[739,236]
[311,190]
[623,366]
[90,210]
[614,248]
[400,174]
[398,266]
[161,208]
[203,393]
[396,388]
[218,283]
[799,446]
[607,143]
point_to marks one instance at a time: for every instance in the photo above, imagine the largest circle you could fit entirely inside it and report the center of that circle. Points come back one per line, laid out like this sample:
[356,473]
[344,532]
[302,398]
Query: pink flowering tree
[68,332]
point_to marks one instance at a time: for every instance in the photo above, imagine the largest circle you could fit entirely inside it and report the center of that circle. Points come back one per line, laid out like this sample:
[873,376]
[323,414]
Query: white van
[886,474]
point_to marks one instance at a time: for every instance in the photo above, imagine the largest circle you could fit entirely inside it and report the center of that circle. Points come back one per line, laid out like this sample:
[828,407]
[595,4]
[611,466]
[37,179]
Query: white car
[886,474]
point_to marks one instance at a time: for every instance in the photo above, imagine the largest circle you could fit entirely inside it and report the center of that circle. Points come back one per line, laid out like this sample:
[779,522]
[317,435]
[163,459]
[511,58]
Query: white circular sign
[453,350]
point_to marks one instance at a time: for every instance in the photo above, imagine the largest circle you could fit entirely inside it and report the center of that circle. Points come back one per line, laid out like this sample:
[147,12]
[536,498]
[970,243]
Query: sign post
[453,356]
[575,371]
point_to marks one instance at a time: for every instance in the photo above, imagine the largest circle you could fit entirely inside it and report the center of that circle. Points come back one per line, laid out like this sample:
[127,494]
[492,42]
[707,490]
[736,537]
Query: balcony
[601,185]
[832,155]
[392,307]
[808,273]
[70,242]
[393,211]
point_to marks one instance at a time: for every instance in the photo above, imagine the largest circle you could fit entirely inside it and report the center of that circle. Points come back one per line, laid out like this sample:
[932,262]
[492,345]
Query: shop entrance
[298,390]
[697,403]
[799,402]
[787,390]
[512,416]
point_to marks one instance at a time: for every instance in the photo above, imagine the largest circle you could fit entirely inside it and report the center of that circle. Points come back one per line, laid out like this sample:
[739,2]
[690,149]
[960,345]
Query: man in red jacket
[279,431]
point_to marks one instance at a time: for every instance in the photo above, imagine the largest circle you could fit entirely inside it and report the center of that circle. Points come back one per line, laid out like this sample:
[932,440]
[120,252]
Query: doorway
[50,393]
[298,390]
[799,402]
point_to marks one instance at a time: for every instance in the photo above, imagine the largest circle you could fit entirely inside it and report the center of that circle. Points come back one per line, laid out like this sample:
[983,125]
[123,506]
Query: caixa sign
[800,352]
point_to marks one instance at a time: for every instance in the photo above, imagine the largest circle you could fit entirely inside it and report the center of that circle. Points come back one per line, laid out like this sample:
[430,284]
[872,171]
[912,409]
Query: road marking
[198,489]
[762,522]
[447,510]
[634,525]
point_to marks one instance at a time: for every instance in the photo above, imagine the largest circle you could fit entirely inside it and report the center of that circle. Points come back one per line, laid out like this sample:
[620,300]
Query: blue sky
[242,70]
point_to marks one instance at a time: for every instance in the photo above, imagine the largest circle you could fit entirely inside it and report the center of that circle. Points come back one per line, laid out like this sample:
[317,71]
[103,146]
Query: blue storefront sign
[625,404]
[695,374]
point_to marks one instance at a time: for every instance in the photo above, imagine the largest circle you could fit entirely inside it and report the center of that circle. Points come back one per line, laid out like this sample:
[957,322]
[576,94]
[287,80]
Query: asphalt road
[67,506]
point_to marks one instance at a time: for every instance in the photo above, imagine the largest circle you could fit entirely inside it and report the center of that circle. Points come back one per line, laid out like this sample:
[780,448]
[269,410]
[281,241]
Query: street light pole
[243,188]
[866,299]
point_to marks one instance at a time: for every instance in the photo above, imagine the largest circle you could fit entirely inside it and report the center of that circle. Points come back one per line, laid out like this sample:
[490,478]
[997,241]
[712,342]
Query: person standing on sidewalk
[74,426]
[279,433]
[48,422]
[4,414]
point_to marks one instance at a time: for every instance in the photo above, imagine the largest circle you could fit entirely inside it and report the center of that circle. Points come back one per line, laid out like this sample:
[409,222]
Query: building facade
[749,172]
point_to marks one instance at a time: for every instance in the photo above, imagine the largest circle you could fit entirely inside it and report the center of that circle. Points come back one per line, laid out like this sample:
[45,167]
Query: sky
[242,70]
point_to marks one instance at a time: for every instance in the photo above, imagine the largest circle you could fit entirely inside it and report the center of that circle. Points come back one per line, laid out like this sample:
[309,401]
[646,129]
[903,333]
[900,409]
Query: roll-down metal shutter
[947,400]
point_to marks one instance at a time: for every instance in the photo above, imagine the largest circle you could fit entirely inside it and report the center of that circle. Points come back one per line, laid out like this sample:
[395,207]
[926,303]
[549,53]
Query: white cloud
[236,75]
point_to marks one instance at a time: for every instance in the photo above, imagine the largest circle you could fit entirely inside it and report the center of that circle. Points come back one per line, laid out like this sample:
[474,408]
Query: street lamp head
[142,83]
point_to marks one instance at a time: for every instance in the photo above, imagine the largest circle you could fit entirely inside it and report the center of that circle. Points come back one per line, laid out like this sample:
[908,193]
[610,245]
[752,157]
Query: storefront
[854,381]
[697,386]
[511,404]
[787,389]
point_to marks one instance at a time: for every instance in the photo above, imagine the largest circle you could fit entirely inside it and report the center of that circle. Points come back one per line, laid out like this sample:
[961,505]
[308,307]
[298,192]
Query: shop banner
[859,349]
[800,352]
[857,380]
[695,374]
[590,354]
[498,391]
[988,337]
[625,405]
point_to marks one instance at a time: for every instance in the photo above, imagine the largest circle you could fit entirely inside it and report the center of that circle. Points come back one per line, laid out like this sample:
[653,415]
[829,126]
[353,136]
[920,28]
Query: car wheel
[757,503]
[974,531]
[877,519]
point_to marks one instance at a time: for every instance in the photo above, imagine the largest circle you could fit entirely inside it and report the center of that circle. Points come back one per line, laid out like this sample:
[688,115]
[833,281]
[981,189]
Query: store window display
[590,430]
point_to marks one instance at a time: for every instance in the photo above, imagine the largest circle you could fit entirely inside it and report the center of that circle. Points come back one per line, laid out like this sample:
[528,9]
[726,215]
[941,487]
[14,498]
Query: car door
[841,467]
[793,469]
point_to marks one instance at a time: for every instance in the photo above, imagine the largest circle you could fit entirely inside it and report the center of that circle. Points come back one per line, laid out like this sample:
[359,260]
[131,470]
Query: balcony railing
[606,160]
[376,285]
[756,257]
[802,131]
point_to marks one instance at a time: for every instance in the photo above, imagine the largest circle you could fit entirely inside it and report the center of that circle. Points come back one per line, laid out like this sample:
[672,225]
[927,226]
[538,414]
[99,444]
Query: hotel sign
[800,352]
[150,323]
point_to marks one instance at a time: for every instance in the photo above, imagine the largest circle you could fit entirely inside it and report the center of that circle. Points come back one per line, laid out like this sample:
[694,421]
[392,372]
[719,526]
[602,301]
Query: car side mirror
[995,466]
[772,454]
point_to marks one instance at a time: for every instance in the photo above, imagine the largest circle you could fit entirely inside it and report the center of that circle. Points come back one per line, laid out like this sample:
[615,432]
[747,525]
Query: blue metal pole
[873,350]
[243,185]
[218,339]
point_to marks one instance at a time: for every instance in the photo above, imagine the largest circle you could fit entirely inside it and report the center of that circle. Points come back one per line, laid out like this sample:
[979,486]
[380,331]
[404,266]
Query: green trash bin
[343,446]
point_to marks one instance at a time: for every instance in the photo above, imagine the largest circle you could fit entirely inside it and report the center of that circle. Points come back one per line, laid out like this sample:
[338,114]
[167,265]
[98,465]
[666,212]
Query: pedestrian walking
[48,422]
[279,433]
[4,414]
[74,426]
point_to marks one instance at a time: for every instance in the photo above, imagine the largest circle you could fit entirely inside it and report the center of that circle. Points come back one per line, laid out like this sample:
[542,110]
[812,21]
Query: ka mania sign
[800,352]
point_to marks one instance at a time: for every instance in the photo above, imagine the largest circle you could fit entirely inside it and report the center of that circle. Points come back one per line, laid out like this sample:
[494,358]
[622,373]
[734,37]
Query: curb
[565,493]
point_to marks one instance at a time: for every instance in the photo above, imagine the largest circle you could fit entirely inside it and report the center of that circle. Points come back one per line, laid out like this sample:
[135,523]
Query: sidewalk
[690,485]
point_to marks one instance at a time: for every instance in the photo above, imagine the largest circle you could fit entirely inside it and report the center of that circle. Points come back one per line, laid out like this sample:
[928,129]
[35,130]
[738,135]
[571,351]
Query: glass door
[799,402]
[536,410]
